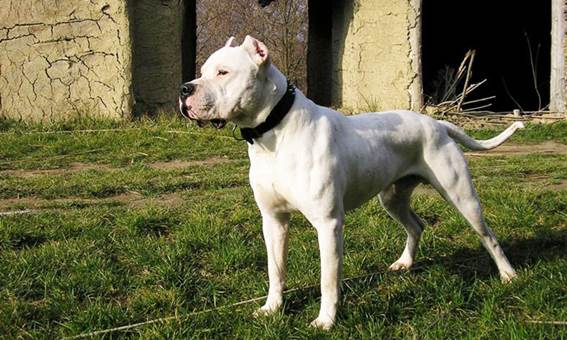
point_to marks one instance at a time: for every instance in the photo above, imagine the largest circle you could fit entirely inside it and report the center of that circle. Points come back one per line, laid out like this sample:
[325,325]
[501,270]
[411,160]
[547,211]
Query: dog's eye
[222,72]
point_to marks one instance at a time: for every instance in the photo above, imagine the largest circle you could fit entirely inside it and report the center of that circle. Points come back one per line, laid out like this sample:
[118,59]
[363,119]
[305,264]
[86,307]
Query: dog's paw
[508,277]
[399,265]
[322,323]
[266,310]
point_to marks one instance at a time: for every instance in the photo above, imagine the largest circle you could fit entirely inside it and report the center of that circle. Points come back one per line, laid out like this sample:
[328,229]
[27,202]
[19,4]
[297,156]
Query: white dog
[311,159]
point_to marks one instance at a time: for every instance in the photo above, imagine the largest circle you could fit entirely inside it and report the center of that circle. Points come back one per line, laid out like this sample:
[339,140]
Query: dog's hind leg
[449,174]
[396,200]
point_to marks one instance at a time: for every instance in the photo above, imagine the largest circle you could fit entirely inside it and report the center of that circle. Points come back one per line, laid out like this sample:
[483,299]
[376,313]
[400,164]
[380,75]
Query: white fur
[322,164]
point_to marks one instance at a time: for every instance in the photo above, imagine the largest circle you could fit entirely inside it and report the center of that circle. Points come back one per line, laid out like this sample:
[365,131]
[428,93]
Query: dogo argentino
[311,159]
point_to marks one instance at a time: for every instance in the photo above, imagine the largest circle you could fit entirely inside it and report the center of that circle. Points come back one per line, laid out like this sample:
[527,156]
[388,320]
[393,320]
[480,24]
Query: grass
[534,134]
[114,239]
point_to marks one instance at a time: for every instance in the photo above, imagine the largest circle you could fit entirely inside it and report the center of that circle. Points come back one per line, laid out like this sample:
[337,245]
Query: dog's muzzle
[185,92]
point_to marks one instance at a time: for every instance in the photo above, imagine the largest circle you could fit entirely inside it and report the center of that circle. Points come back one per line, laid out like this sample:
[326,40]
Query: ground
[108,224]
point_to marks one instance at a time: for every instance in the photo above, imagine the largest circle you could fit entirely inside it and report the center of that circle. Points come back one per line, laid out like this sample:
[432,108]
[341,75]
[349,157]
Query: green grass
[118,240]
[534,133]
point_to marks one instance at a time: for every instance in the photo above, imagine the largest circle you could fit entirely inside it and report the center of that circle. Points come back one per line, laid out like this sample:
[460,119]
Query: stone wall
[376,62]
[59,58]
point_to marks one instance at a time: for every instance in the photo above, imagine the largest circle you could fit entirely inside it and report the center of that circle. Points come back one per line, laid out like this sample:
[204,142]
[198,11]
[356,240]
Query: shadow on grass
[26,240]
[469,264]
[472,264]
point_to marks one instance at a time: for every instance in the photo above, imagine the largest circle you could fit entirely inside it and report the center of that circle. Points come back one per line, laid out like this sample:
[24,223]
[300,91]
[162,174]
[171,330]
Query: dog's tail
[478,145]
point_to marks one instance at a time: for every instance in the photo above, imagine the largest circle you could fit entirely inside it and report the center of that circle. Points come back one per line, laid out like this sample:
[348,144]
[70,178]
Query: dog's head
[234,85]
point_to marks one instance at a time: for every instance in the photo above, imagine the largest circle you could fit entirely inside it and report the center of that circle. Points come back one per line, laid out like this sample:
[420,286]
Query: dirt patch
[549,147]
[562,185]
[78,167]
[542,181]
[186,164]
[170,200]
[71,168]
[132,199]
[425,189]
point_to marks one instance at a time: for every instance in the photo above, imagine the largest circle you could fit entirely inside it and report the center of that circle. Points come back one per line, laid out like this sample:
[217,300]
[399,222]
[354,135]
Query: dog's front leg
[330,235]
[275,228]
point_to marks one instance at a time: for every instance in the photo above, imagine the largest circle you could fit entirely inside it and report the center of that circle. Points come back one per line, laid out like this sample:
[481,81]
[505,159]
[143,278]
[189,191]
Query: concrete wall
[109,58]
[62,57]
[376,62]
[113,58]
[558,90]
[116,57]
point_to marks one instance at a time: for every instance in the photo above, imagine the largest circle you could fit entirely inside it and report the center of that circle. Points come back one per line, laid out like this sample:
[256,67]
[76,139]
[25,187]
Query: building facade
[116,58]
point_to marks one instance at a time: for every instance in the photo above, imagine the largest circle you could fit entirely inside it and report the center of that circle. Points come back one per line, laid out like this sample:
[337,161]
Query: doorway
[512,43]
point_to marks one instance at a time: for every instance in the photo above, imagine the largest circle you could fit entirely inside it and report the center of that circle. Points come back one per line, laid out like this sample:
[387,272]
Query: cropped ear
[257,50]
[230,42]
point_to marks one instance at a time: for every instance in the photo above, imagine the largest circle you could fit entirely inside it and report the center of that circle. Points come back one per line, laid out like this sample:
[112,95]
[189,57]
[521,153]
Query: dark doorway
[503,33]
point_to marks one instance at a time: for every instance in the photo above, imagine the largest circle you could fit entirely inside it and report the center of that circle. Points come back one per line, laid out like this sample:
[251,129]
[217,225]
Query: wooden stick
[510,95]
[16,212]
[479,107]
[557,323]
[467,78]
[479,100]
[450,105]
[457,78]
[474,87]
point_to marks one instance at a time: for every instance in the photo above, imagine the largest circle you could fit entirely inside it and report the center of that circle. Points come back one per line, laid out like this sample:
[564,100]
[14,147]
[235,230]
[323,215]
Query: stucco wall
[62,57]
[375,55]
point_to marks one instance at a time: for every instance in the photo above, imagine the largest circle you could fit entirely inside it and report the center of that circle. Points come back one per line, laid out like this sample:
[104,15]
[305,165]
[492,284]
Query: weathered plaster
[373,43]
[558,90]
[415,87]
[59,58]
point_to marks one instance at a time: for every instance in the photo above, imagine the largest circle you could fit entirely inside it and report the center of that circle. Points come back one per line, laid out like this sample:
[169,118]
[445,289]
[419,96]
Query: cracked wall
[376,62]
[60,58]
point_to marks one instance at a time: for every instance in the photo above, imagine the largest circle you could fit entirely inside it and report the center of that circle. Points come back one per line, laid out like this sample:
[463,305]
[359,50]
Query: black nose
[186,90]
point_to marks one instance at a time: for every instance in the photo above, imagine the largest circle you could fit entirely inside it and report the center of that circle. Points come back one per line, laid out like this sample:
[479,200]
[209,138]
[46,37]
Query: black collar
[273,119]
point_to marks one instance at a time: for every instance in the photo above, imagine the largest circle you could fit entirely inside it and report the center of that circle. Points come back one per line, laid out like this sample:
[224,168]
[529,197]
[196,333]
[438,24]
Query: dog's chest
[271,182]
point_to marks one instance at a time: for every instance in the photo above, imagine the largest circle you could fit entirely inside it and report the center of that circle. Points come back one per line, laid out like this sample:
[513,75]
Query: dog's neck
[298,114]
[299,118]
[275,117]
[271,96]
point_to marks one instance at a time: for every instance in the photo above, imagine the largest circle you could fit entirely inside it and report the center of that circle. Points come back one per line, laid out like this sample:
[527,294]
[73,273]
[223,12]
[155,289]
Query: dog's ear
[257,50]
[231,42]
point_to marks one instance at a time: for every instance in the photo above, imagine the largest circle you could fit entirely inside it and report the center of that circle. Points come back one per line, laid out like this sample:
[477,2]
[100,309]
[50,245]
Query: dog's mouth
[190,114]
[218,123]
